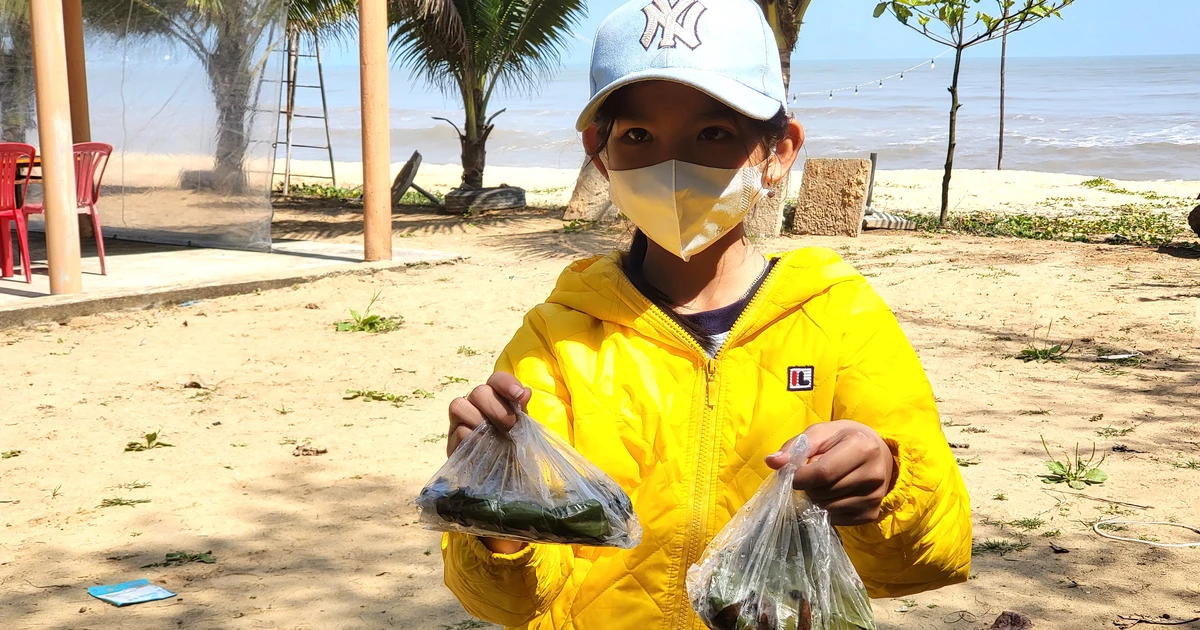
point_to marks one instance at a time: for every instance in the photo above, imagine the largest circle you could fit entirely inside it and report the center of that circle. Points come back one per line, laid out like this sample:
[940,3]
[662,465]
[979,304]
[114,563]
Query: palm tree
[232,40]
[16,71]
[785,18]
[469,47]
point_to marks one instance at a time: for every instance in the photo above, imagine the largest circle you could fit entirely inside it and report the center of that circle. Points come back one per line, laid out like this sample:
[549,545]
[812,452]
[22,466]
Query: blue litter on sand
[189,303]
[126,593]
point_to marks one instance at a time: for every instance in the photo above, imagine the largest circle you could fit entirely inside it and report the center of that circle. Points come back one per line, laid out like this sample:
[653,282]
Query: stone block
[765,219]
[589,200]
[833,197]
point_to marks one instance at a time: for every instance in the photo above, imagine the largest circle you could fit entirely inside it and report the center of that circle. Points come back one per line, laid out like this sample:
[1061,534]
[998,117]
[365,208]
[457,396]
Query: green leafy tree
[959,24]
[227,37]
[785,18]
[469,47]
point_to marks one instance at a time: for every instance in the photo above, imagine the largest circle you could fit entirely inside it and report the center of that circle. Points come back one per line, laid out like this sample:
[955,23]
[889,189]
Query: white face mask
[686,207]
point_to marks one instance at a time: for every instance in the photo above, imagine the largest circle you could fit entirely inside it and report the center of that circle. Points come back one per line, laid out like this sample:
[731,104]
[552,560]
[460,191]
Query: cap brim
[741,98]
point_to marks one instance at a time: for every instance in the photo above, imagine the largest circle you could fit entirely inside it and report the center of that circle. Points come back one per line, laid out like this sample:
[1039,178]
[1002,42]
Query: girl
[681,366]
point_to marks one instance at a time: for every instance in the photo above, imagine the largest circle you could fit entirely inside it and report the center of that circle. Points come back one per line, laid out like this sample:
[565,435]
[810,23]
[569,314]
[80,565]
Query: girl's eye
[637,134]
[714,134]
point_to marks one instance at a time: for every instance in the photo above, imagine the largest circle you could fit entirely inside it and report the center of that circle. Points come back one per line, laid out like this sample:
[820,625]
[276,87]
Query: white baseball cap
[724,48]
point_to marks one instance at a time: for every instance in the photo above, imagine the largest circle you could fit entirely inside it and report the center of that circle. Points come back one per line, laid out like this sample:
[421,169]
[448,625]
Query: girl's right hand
[492,402]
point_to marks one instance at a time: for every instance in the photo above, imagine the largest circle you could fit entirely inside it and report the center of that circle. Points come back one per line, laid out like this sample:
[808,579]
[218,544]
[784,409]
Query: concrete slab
[141,275]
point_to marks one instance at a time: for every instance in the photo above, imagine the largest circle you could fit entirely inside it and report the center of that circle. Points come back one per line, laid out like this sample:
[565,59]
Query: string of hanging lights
[931,63]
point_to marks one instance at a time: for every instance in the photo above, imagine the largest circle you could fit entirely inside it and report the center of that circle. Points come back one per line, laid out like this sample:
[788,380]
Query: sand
[329,541]
[895,190]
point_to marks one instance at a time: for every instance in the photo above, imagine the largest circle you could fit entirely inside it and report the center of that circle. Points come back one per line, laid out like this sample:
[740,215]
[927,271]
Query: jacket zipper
[705,436]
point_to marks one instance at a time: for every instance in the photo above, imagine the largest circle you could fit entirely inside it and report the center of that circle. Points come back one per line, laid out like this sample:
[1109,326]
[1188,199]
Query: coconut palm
[227,38]
[469,47]
[785,18]
[16,70]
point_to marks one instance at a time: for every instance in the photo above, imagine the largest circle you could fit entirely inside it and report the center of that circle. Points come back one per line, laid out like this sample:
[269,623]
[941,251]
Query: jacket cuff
[490,558]
[902,469]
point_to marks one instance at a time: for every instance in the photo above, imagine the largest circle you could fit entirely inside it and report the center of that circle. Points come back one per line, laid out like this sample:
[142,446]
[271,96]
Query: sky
[845,29]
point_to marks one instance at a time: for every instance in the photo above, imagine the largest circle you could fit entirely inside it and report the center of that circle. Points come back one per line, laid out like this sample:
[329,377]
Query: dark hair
[770,132]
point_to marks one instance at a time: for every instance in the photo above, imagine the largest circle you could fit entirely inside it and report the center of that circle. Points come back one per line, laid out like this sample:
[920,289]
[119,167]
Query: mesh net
[187,92]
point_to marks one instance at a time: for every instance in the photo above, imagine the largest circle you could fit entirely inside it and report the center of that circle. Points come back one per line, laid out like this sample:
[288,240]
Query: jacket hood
[599,288]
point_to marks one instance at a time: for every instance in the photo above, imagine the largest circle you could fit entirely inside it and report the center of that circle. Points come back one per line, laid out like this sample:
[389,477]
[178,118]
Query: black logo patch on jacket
[800,378]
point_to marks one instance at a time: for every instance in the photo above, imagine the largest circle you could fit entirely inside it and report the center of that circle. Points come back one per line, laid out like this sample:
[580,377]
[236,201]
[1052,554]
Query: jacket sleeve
[513,589]
[922,539]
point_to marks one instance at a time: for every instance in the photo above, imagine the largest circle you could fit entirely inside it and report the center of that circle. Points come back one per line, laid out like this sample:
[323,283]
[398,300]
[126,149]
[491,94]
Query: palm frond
[331,19]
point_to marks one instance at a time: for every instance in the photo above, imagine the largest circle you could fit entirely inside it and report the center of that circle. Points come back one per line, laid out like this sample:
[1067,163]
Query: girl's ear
[786,151]
[591,146]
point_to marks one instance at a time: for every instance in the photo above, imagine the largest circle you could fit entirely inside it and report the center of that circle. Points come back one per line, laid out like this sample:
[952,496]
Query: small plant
[421,393]
[1112,432]
[433,438]
[321,191]
[1000,496]
[467,351]
[373,395]
[283,410]
[575,226]
[1052,534]
[54,494]
[177,558]
[964,462]
[366,322]
[975,430]
[1001,547]
[1074,472]
[1190,464]
[119,501]
[132,485]
[151,442]
[1045,353]
[1027,524]
[451,380]
[12,454]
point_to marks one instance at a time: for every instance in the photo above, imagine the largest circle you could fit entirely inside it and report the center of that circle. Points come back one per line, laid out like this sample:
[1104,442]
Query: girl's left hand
[849,470]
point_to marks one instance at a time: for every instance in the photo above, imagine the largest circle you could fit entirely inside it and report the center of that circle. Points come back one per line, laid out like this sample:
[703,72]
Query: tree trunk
[232,83]
[785,62]
[474,141]
[1003,59]
[954,105]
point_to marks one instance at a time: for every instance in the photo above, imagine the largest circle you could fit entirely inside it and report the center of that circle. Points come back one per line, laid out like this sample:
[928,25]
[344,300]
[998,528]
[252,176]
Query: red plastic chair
[91,158]
[13,155]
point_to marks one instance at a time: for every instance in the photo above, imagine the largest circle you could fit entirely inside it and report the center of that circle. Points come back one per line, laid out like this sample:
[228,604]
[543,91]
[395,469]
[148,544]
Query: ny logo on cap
[677,22]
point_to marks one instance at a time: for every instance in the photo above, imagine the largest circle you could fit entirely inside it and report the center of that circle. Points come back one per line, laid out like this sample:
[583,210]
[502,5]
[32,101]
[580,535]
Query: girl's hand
[492,403]
[849,470]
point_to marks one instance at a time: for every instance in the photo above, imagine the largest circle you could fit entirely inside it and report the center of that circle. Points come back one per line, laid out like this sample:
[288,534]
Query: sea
[1135,118]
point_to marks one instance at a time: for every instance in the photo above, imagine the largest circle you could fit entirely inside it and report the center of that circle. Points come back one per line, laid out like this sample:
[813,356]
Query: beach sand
[330,541]
[896,191]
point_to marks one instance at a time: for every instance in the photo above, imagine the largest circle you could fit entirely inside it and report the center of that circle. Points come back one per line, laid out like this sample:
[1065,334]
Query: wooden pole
[54,134]
[81,125]
[81,122]
[376,149]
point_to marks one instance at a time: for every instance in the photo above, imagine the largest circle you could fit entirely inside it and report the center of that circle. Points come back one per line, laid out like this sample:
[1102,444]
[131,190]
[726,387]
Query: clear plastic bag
[528,485]
[779,565]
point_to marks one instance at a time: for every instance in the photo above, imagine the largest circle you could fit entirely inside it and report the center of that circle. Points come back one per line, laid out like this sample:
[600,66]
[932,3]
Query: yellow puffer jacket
[686,435]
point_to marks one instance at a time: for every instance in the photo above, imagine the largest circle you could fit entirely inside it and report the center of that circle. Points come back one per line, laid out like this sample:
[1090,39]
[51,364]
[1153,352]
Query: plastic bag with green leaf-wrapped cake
[779,565]
[527,485]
